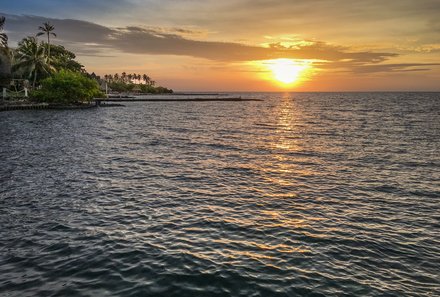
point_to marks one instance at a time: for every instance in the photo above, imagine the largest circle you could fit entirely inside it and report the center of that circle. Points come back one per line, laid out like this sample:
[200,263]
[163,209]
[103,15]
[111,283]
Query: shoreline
[41,106]
[113,102]
[225,99]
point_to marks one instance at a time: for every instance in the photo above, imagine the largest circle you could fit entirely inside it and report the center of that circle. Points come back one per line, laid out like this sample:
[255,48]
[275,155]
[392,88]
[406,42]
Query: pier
[113,102]
[171,99]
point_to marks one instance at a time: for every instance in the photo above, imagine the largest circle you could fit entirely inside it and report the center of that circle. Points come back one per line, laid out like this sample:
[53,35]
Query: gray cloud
[380,68]
[87,38]
[390,19]
[405,67]
[146,41]
[323,19]
[20,26]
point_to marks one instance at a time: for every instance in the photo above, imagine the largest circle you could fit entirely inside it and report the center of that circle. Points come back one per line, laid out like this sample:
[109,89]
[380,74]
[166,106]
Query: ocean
[302,194]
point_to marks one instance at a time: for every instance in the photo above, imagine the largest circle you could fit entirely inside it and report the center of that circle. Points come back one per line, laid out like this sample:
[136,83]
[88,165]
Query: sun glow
[287,71]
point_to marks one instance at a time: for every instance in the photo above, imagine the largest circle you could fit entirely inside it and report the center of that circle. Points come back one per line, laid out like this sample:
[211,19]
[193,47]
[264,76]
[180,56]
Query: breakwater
[43,106]
[172,99]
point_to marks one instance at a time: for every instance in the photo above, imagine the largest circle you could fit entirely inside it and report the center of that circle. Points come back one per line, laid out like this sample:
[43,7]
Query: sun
[286,71]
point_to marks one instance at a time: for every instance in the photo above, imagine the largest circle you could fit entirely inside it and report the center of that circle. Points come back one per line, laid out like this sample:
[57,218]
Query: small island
[39,74]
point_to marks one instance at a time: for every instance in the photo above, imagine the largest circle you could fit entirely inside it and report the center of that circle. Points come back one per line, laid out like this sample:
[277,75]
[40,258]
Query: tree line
[35,61]
[132,82]
[129,78]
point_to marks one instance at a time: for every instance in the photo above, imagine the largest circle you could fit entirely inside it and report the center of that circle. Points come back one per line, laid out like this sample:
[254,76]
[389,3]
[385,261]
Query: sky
[247,45]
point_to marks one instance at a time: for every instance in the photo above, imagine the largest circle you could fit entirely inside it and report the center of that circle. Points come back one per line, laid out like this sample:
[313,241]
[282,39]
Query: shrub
[119,86]
[5,67]
[163,90]
[155,90]
[67,87]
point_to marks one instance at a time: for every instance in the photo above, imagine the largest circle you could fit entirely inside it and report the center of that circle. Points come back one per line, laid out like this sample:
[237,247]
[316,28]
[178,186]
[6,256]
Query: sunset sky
[247,45]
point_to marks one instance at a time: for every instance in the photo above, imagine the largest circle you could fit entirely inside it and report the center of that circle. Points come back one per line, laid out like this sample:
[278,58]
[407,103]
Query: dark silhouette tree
[31,59]
[47,29]
[5,56]
[3,36]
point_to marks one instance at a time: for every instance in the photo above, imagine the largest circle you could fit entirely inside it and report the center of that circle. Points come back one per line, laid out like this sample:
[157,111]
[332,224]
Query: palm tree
[5,56]
[5,67]
[3,36]
[31,59]
[47,29]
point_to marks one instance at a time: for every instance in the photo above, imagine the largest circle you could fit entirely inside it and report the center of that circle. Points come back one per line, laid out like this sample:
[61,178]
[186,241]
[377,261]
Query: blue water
[310,194]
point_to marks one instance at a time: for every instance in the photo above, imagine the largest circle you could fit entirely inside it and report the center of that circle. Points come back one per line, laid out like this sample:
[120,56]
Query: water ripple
[300,195]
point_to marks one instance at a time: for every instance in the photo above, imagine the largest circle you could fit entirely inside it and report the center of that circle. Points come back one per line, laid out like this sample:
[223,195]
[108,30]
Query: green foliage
[120,86]
[31,61]
[154,90]
[5,56]
[39,62]
[67,87]
[147,89]
[163,90]
[133,82]
[3,36]
[5,67]
[61,58]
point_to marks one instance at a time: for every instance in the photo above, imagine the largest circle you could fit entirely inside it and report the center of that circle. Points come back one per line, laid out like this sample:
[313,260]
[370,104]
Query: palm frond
[48,26]
[40,33]
[3,40]
[3,36]
[53,34]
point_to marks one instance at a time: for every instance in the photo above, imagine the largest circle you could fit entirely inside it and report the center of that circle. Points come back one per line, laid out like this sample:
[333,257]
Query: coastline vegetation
[5,56]
[67,87]
[52,74]
[137,83]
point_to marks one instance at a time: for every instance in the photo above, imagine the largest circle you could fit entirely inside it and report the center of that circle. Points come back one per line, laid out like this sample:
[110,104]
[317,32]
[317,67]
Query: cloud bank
[87,38]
